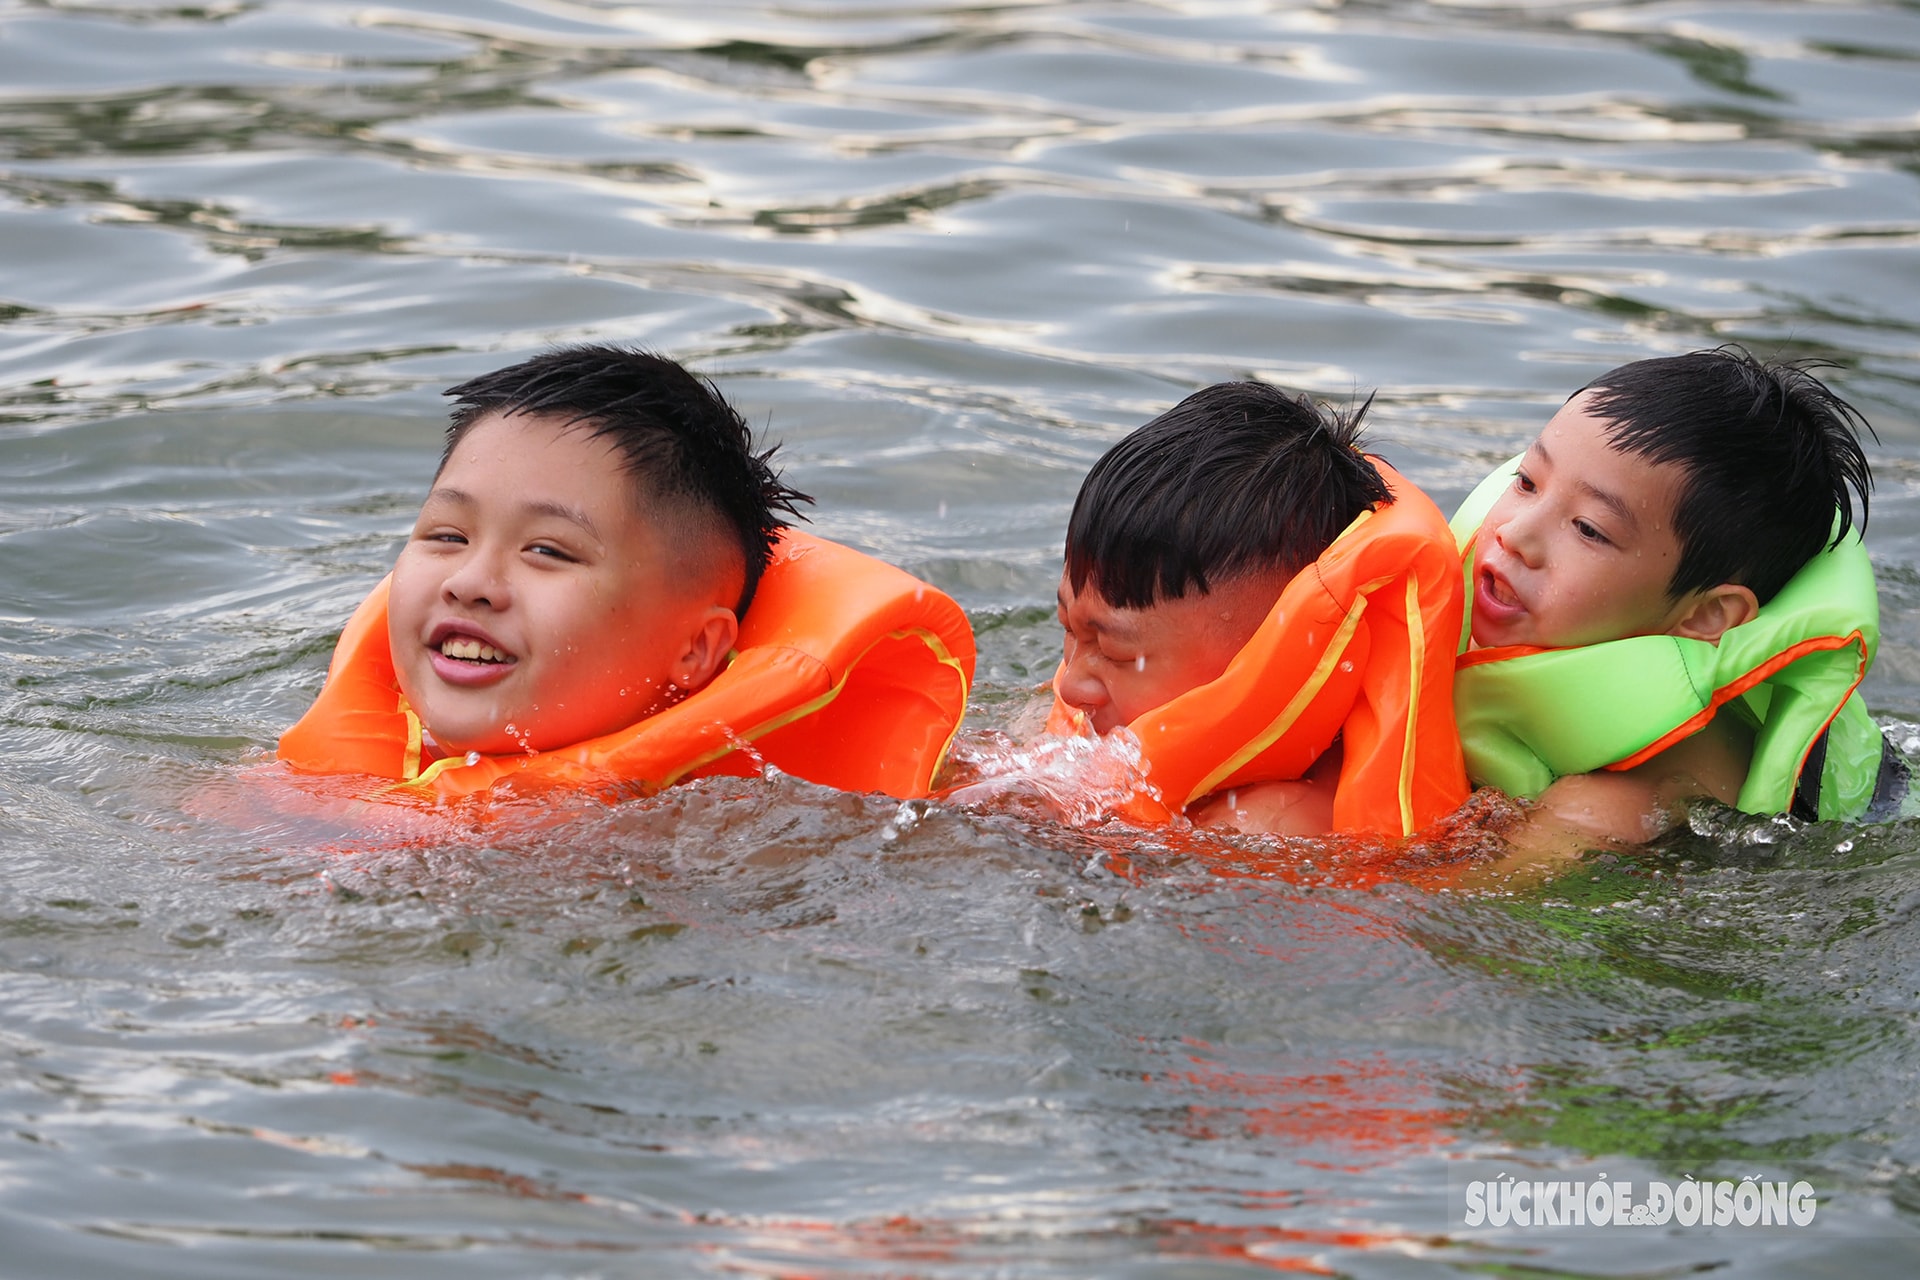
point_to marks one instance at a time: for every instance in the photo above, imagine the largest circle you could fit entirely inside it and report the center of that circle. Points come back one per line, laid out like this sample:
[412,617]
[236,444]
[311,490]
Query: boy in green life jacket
[1668,600]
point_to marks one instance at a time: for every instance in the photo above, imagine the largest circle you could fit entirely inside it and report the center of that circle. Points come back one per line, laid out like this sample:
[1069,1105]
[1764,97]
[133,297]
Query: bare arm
[1303,807]
[1607,810]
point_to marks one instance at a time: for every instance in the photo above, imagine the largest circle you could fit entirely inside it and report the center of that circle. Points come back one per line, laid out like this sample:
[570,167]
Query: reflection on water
[947,253]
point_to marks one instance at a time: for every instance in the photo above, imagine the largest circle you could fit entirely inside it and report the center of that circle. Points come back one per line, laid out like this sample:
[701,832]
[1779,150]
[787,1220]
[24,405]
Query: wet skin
[1118,664]
[1580,548]
[537,605]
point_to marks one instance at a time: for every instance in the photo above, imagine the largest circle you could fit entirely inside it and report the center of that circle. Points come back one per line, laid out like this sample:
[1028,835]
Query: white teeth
[470,649]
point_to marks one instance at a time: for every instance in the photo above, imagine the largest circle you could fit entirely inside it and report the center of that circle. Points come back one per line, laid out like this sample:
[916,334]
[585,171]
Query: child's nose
[1519,536]
[477,580]
[1077,684]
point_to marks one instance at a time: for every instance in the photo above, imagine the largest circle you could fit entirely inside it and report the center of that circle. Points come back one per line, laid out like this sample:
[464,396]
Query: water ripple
[946,253]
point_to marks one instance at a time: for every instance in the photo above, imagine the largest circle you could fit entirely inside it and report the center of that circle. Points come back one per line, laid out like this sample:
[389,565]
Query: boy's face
[534,605]
[1120,664]
[1581,547]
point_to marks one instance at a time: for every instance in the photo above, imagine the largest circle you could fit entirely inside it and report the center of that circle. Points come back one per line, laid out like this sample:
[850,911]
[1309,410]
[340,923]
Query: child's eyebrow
[1611,502]
[547,507]
[1060,602]
[562,511]
[1118,628]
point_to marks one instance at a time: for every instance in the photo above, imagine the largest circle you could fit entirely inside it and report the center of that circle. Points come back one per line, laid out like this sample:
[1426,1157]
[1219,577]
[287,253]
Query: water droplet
[1140,662]
[473,757]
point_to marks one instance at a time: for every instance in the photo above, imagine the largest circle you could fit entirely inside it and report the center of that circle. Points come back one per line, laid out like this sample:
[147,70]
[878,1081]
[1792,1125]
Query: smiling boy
[572,608]
[1668,600]
[597,527]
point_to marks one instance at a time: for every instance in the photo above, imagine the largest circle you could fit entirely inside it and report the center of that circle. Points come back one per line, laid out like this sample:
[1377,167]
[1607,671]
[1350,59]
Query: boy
[596,529]
[1270,613]
[569,604]
[1667,601]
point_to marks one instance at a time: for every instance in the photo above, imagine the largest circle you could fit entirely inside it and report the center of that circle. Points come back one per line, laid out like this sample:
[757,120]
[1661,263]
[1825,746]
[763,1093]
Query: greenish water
[947,253]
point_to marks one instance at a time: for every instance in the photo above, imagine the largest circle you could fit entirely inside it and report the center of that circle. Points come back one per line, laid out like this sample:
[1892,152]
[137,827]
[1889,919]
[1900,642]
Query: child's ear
[1716,611]
[708,645]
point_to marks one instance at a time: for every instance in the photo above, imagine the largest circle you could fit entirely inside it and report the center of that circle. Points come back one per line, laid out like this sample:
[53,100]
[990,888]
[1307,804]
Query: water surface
[947,254]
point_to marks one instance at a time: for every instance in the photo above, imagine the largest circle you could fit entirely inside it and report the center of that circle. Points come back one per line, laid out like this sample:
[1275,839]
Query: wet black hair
[1772,458]
[1239,477]
[679,436]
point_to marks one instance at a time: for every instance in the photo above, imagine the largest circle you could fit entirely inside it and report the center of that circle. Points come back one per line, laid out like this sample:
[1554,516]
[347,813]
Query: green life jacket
[1528,716]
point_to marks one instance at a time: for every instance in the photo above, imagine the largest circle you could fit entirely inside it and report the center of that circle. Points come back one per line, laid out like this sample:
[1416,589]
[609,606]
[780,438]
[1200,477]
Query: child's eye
[1590,532]
[549,550]
[445,535]
[1523,482]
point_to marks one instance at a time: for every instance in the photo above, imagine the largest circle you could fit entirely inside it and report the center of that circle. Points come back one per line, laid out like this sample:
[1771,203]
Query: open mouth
[466,656]
[467,649]
[1497,590]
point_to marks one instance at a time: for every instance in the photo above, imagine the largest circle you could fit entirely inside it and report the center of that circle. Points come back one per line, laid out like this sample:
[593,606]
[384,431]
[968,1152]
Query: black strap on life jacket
[1889,785]
[1806,789]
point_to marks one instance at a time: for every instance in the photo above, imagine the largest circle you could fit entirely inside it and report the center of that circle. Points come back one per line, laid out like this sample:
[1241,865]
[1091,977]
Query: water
[947,253]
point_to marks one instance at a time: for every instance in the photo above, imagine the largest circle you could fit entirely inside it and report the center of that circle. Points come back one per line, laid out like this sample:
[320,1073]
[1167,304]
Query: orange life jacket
[848,672]
[1358,648]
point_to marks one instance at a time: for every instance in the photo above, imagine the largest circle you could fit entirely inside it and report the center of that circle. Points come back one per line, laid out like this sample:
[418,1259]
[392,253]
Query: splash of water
[1077,779]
